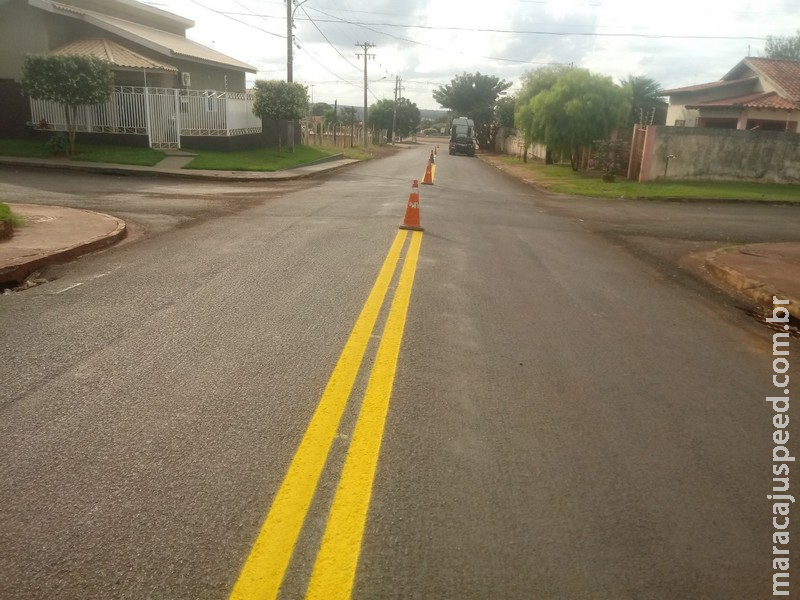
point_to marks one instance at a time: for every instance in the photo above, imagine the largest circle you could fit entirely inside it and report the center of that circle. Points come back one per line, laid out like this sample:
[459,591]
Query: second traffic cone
[411,220]
[428,177]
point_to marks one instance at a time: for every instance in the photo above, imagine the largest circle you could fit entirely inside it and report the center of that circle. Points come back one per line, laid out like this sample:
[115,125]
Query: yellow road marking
[269,558]
[335,567]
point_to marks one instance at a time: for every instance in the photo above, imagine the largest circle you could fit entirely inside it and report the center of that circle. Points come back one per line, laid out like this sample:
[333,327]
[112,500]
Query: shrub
[59,143]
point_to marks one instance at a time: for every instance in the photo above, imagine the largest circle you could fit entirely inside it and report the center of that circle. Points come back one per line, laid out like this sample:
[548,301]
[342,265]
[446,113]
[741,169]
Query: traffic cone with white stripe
[411,220]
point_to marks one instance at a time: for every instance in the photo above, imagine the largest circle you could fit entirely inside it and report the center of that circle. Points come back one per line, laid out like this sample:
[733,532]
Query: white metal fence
[163,114]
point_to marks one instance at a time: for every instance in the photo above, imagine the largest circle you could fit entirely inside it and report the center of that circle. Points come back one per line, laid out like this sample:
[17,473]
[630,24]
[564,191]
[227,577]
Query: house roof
[113,53]
[760,100]
[164,42]
[707,86]
[784,74]
[781,75]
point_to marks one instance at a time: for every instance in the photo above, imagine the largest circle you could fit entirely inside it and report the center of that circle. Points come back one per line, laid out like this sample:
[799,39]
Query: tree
[318,109]
[381,116]
[785,47]
[533,84]
[71,81]
[577,110]
[504,111]
[276,99]
[473,96]
[646,104]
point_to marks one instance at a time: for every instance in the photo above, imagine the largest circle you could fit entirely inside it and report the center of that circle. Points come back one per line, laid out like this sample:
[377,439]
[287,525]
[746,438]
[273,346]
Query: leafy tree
[504,111]
[580,108]
[783,46]
[533,84]
[381,115]
[473,96]
[277,99]
[318,109]
[71,81]
[349,115]
[646,104]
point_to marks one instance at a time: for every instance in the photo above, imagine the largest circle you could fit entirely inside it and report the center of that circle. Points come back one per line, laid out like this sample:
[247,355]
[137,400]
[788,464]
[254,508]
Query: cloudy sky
[428,42]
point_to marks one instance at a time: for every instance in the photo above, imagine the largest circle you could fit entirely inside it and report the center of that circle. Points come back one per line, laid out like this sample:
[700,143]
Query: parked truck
[462,136]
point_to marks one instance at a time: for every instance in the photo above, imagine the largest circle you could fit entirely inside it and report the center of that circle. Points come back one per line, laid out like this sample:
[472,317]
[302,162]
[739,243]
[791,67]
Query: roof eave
[123,33]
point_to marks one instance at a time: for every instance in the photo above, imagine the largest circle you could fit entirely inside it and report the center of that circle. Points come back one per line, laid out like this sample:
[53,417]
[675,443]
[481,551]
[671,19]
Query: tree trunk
[573,160]
[71,114]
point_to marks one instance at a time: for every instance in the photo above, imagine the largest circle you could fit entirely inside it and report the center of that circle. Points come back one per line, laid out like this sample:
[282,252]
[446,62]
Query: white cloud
[428,42]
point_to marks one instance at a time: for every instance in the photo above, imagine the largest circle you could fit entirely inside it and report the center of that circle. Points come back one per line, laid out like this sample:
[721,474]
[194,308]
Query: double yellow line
[335,567]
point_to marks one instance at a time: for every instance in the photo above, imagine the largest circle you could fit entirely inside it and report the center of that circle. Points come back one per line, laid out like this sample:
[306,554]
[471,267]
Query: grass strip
[258,159]
[562,179]
[86,151]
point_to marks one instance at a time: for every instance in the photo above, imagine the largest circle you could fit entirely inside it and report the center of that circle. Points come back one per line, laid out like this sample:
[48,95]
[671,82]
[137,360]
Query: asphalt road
[572,414]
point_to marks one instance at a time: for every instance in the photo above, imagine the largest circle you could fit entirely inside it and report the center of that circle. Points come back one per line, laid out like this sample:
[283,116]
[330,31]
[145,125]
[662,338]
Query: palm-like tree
[647,107]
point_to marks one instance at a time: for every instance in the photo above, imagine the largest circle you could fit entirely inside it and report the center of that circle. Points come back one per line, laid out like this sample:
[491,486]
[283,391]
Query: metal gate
[637,152]
[163,116]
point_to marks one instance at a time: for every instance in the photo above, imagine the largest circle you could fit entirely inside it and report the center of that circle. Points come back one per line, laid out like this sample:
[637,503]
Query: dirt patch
[518,171]
[383,151]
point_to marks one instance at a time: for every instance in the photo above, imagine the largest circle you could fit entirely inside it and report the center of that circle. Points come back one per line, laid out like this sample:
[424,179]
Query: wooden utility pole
[366,46]
[394,115]
[289,40]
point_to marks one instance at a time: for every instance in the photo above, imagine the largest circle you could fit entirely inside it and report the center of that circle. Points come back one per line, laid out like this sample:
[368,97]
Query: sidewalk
[172,165]
[761,271]
[56,234]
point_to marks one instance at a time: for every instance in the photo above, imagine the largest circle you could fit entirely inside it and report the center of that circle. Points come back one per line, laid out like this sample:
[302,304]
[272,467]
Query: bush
[58,144]
[611,156]
[8,220]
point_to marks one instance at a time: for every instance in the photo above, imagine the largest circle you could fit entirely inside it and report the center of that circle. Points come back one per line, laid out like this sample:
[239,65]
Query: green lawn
[89,152]
[562,179]
[260,159]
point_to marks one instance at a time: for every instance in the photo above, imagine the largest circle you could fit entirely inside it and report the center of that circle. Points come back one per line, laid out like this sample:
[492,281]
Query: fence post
[177,117]
[148,124]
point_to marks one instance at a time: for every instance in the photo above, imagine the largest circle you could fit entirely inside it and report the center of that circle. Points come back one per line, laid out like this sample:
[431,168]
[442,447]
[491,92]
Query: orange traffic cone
[411,220]
[428,177]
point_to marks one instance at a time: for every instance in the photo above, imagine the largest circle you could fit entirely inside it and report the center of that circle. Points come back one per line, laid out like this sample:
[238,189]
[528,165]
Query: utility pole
[394,116]
[289,40]
[366,46]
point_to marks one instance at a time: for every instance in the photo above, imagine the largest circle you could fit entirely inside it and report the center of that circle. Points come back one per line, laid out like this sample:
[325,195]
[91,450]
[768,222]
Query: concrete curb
[19,269]
[756,290]
[125,170]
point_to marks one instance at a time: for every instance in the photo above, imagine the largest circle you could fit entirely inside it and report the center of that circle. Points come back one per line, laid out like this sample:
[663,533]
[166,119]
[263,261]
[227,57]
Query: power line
[329,42]
[368,25]
[227,15]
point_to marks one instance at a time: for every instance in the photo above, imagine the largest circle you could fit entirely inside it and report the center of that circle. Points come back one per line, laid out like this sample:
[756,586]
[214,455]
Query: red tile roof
[783,73]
